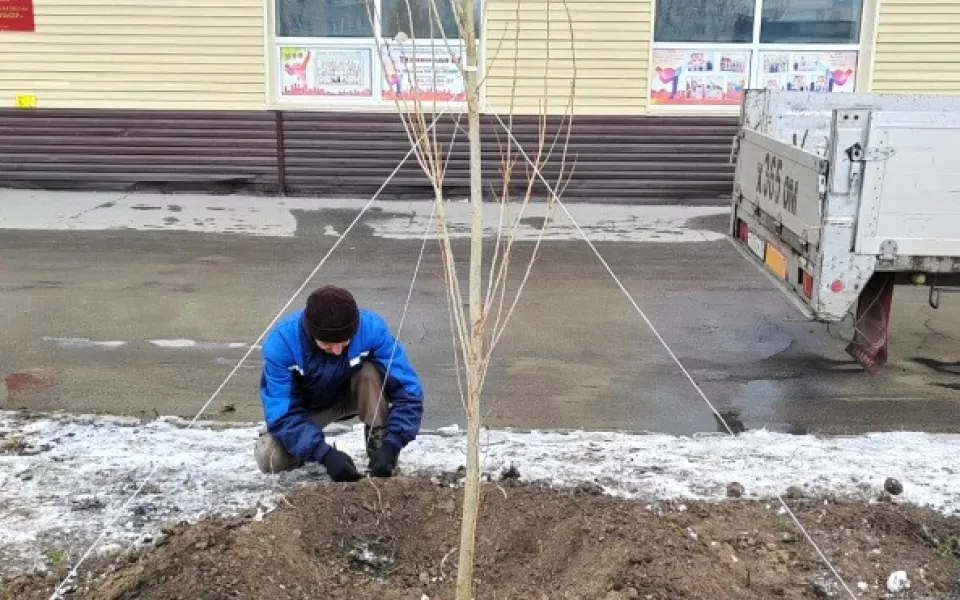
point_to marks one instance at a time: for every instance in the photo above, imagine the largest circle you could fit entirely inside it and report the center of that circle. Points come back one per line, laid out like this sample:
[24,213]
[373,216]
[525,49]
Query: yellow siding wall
[611,41]
[160,54]
[918,46]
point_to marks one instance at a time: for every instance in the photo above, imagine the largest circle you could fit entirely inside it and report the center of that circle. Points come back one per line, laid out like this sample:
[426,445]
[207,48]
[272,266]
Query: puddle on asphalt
[768,401]
[948,368]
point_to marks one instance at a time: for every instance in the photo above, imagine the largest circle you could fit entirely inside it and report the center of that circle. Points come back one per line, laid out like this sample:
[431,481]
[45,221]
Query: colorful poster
[698,77]
[423,71]
[809,71]
[17,15]
[325,71]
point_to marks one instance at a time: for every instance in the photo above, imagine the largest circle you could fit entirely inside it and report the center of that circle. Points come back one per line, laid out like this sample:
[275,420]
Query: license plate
[756,244]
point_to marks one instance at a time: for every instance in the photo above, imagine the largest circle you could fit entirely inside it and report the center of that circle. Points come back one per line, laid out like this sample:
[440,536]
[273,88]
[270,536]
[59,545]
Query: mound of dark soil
[397,539]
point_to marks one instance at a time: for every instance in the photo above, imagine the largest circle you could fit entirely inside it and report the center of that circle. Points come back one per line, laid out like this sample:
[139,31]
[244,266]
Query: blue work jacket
[298,378]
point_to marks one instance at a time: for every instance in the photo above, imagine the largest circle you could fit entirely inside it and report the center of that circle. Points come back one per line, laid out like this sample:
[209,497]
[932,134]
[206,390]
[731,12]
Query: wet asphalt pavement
[575,355]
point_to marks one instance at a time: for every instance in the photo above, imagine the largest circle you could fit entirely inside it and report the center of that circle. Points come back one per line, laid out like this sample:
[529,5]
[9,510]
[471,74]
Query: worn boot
[374,438]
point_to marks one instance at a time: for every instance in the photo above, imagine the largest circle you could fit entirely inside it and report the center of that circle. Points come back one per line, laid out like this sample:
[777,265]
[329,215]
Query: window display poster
[325,71]
[423,71]
[809,71]
[698,77]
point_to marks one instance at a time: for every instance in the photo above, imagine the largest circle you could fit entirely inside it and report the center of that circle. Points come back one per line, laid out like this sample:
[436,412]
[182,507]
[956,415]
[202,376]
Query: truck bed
[839,197]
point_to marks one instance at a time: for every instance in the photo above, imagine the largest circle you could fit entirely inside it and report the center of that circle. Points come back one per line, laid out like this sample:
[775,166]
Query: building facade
[301,96]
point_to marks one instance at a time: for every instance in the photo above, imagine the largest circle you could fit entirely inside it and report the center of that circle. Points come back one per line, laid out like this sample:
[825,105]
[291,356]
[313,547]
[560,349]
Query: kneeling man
[328,363]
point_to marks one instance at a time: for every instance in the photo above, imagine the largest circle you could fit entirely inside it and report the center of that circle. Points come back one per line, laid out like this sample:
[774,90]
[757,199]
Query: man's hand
[384,460]
[340,466]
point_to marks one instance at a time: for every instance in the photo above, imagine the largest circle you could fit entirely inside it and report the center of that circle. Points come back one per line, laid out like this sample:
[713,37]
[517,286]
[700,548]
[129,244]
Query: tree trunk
[471,493]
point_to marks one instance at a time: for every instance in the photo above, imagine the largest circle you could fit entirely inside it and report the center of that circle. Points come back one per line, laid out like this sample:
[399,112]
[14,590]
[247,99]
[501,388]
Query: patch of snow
[363,554]
[232,362]
[195,345]
[274,217]
[174,343]
[863,586]
[600,222]
[65,496]
[897,582]
[449,430]
[82,342]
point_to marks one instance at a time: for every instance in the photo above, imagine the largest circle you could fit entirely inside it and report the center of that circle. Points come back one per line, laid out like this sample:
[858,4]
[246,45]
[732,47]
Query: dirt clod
[794,493]
[510,474]
[893,486]
[532,542]
[12,445]
[735,490]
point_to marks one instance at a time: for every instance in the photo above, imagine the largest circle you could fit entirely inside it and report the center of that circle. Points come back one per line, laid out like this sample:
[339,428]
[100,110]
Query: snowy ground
[63,479]
[275,217]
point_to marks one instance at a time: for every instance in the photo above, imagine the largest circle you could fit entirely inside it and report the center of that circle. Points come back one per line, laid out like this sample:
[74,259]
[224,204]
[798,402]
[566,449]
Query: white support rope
[403,316]
[416,270]
[57,593]
[696,386]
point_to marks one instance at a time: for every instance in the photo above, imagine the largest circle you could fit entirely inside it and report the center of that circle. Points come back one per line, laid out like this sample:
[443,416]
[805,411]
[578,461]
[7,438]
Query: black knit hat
[331,315]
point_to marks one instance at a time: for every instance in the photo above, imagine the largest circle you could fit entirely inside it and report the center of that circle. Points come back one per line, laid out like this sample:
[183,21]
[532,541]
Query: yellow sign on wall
[25,101]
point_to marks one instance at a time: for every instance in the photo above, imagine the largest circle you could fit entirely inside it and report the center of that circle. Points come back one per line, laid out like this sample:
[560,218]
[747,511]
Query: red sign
[16,15]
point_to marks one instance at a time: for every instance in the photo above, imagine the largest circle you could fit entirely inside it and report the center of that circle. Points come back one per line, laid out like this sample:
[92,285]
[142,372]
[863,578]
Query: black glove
[340,466]
[384,460]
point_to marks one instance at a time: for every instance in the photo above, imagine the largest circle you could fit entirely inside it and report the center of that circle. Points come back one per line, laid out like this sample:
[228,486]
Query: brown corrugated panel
[139,150]
[646,159]
[642,159]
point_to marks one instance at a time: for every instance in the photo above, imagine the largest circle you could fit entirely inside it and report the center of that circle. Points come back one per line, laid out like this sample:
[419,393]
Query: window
[810,21]
[704,20]
[340,49]
[323,18]
[426,25]
[707,52]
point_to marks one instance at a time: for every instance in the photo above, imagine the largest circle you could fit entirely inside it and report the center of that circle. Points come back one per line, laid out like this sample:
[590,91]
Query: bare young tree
[476,334]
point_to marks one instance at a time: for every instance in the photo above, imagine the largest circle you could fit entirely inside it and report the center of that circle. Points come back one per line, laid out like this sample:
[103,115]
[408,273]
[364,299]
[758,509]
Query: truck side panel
[915,210]
[806,117]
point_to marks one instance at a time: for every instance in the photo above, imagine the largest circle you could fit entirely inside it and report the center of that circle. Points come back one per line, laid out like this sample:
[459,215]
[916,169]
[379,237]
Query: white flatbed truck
[841,197]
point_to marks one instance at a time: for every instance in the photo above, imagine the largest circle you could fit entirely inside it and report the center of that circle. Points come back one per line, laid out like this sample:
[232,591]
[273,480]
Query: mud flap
[872,324]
